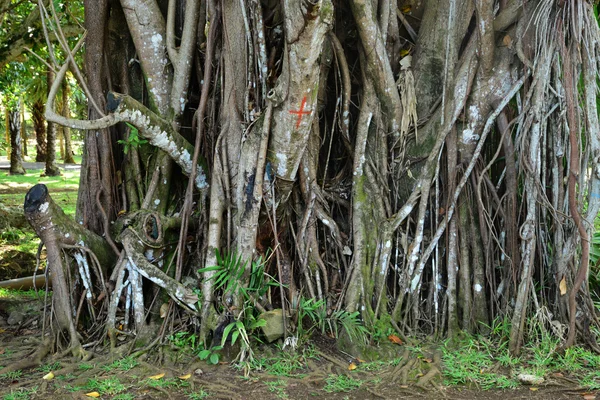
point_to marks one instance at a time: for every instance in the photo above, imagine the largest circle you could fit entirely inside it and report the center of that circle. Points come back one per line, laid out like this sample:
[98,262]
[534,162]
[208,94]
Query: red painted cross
[300,113]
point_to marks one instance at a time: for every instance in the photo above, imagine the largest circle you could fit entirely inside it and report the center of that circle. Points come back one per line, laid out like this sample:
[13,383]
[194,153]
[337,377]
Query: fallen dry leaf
[93,394]
[164,309]
[156,377]
[395,339]
[588,396]
[185,377]
[563,286]
[533,389]
[352,366]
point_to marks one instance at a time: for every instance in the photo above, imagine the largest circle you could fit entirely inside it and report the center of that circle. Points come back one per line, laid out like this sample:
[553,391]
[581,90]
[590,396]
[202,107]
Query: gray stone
[273,329]
[16,317]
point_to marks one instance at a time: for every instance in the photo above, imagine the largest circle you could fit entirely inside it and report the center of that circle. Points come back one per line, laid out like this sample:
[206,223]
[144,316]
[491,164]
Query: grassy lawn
[67,181]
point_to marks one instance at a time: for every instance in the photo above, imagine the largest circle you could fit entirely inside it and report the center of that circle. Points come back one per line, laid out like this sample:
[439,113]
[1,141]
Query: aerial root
[35,360]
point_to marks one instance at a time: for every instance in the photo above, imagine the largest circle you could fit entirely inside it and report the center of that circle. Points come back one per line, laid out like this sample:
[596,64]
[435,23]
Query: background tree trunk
[39,127]
[16,143]
[51,167]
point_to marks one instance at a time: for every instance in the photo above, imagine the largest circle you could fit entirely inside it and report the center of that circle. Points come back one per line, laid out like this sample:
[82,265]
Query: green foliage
[341,383]
[285,363]
[108,386]
[12,375]
[185,340]
[49,367]
[211,355]
[123,396]
[315,312]
[199,395]
[133,140]
[20,394]
[471,363]
[124,364]
[278,387]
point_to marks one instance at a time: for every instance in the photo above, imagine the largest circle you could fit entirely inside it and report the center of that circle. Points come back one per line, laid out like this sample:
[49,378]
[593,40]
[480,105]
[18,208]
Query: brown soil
[224,381]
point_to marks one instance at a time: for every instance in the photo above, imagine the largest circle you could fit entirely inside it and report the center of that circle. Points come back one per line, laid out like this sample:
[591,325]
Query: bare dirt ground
[322,372]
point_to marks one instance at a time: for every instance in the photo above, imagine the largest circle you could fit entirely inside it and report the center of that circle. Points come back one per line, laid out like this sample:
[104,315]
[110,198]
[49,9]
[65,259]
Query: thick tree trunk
[39,127]
[59,233]
[16,143]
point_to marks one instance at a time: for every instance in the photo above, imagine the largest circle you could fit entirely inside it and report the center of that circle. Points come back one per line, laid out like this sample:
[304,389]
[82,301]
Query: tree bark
[39,127]
[16,159]
[51,167]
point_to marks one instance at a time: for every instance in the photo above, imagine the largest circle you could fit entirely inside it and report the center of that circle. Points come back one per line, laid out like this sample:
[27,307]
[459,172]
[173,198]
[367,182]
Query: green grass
[20,394]
[341,383]
[68,180]
[124,364]
[278,387]
[110,386]
[17,294]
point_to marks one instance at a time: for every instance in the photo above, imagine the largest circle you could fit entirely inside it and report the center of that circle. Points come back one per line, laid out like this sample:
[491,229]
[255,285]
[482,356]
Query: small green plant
[12,375]
[341,383]
[124,364]
[185,340]
[199,395]
[85,366]
[109,386]
[211,355]
[133,140]
[351,323]
[278,387]
[123,396]
[166,383]
[20,394]
[49,367]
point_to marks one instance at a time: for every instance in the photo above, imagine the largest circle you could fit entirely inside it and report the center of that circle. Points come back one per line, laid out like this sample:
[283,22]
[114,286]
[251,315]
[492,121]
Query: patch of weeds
[108,386]
[591,380]
[166,383]
[507,360]
[84,366]
[341,383]
[542,353]
[49,367]
[16,294]
[278,387]
[123,396]
[470,364]
[12,375]
[185,340]
[211,356]
[373,365]
[286,363]
[7,352]
[20,394]
[200,395]
[124,364]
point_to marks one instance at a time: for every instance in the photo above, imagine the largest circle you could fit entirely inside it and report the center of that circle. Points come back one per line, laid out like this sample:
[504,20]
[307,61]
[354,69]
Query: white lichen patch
[477,287]
[44,207]
[282,163]
[156,202]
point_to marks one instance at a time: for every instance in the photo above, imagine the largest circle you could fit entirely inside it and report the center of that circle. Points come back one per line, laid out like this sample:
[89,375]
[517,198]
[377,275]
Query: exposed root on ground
[434,371]
[35,360]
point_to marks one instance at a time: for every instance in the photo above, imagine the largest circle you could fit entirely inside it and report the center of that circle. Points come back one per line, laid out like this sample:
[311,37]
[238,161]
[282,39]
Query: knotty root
[35,360]
[434,371]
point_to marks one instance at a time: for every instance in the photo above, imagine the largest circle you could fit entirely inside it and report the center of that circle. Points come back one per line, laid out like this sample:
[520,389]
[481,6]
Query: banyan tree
[424,166]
